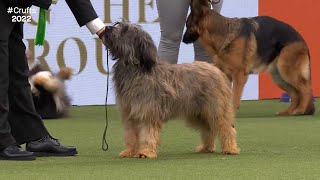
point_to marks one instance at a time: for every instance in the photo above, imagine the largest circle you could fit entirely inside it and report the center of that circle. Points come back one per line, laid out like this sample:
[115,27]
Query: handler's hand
[100,33]
[45,4]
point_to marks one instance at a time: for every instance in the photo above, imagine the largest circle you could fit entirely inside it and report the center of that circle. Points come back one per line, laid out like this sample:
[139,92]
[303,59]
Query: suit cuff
[95,25]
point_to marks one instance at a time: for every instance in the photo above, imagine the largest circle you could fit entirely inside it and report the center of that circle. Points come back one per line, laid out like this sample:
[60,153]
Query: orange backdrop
[304,16]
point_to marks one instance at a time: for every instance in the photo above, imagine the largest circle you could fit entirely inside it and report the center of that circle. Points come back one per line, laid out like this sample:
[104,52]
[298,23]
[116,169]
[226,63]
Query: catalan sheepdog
[149,92]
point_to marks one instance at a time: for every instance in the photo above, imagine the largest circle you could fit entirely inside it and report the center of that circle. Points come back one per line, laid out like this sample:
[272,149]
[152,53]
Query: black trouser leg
[6,138]
[26,124]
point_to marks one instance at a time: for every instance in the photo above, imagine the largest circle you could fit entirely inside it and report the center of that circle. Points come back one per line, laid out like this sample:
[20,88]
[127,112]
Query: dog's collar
[211,2]
[101,34]
[214,1]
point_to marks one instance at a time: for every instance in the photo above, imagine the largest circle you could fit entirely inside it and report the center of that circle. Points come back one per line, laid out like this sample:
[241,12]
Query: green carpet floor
[271,148]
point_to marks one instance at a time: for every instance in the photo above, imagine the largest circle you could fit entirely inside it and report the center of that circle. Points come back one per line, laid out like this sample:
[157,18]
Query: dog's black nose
[190,37]
[109,28]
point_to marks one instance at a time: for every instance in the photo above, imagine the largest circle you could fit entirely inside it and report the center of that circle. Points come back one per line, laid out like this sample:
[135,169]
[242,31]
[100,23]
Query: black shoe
[48,146]
[15,152]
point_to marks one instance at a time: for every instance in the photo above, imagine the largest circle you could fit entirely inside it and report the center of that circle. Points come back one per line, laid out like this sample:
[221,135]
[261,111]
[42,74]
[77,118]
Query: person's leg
[172,16]
[25,123]
[6,139]
[9,149]
[199,53]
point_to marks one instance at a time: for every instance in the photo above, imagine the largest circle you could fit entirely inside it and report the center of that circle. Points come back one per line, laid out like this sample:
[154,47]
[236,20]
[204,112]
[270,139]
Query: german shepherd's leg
[294,102]
[303,85]
[294,68]
[277,79]
[239,80]
[149,138]
[130,139]
[310,108]
[306,107]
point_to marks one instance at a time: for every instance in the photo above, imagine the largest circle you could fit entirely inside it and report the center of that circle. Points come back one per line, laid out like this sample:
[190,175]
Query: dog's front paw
[234,151]
[127,153]
[146,154]
[283,113]
[298,113]
[205,149]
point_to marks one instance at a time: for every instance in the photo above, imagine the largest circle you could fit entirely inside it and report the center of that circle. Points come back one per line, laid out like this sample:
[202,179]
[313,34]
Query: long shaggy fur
[150,92]
[253,45]
[48,91]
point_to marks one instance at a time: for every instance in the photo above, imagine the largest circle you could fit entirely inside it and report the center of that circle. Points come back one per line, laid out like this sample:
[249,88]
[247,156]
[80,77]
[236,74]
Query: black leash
[105,145]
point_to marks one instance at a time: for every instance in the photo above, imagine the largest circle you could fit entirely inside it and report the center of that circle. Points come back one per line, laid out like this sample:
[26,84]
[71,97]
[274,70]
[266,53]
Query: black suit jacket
[27,3]
[81,9]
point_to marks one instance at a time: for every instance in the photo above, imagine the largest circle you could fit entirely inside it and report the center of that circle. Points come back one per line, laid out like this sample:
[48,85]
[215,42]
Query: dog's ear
[148,62]
[65,73]
[124,30]
[148,55]
[198,8]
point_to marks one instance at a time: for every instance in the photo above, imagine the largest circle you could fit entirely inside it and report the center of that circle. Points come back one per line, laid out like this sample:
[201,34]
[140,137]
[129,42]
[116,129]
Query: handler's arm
[45,4]
[85,14]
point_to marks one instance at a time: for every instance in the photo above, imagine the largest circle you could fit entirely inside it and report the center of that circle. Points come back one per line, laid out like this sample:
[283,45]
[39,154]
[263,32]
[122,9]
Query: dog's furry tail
[65,73]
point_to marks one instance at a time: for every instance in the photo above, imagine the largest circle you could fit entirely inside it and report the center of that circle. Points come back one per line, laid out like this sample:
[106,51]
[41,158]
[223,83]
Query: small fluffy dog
[150,92]
[252,45]
[48,91]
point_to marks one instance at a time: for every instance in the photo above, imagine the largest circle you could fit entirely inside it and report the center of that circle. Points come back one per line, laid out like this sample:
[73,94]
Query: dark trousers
[19,122]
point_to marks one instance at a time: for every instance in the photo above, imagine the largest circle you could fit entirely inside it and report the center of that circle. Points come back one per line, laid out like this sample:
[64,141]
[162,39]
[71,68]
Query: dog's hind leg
[207,141]
[277,79]
[294,68]
[223,124]
[149,138]
[207,132]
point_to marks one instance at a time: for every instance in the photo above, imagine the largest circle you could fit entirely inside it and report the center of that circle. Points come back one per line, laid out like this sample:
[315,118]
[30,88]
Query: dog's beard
[111,49]
[114,54]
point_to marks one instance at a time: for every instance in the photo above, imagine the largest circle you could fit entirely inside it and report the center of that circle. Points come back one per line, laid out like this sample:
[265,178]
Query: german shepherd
[241,46]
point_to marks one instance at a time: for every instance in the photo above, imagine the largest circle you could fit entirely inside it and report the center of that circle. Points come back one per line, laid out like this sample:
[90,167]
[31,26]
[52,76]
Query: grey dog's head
[131,45]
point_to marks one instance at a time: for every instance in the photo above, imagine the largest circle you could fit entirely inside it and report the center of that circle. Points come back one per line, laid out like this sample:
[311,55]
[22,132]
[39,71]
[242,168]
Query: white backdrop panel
[89,86]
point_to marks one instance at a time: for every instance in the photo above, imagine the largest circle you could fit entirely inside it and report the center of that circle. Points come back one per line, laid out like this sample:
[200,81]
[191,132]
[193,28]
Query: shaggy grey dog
[150,92]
